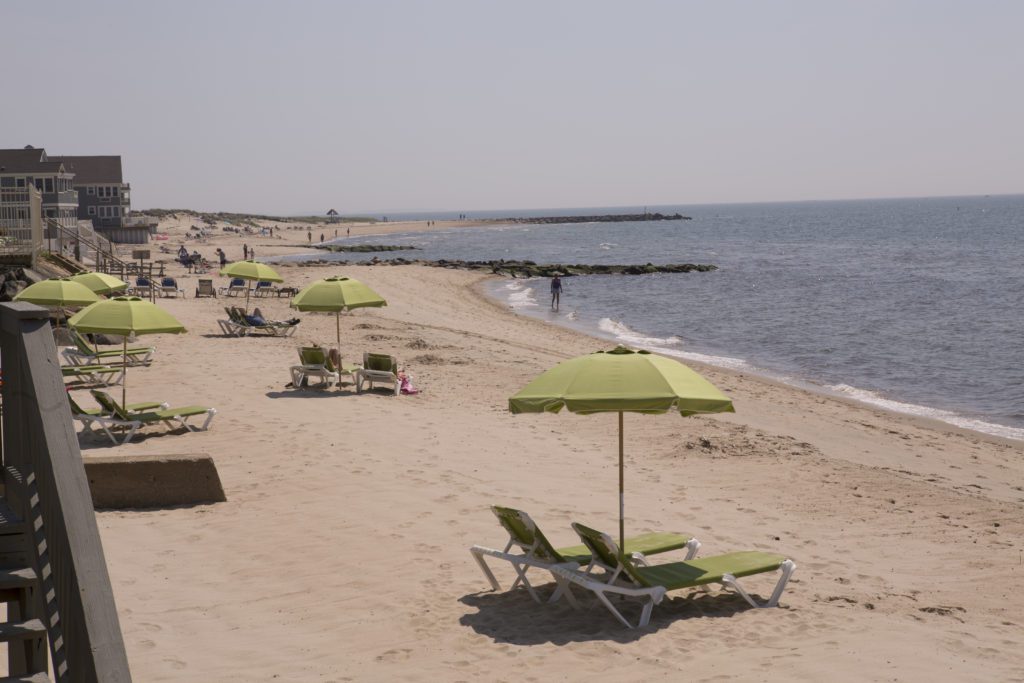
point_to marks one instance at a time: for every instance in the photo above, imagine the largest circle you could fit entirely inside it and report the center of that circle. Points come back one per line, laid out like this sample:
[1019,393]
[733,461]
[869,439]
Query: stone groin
[364,248]
[524,269]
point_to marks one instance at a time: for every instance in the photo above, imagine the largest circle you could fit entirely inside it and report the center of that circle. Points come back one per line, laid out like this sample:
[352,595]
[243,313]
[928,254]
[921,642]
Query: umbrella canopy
[101,283]
[337,294]
[63,292]
[620,381]
[251,270]
[125,316]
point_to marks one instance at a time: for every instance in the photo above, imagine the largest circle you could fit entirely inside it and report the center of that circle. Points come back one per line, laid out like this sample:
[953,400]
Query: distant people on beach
[321,237]
[222,257]
[556,292]
[348,231]
[309,236]
[245,252]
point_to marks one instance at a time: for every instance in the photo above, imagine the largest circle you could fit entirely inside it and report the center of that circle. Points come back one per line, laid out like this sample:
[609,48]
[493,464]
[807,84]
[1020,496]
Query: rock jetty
[606,218]
[524,269]
[364,248]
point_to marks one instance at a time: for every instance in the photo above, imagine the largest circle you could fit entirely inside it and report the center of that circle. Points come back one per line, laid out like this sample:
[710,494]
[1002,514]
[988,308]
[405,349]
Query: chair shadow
[100,440]
[327,392]
[513,617]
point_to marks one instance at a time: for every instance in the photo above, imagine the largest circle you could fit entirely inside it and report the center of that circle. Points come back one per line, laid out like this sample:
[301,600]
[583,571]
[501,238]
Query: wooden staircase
[24,630]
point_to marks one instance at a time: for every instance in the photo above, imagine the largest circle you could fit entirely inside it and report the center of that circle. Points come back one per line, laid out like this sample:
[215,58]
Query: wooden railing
[84,244]
[46,485]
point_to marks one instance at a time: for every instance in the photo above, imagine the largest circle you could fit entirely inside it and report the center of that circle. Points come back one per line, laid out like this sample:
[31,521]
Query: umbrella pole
[337,324]
[124,373]
[622,498]
[247,297]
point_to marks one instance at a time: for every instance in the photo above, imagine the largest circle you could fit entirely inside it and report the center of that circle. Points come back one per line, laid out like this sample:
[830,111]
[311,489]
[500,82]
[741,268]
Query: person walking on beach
[309,236]
[222,256]
[556,292]
[245,252]
[348,231]
[321,237]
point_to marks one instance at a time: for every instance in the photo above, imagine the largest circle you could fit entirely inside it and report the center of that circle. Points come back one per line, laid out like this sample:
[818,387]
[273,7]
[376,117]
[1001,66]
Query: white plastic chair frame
[314,371]
[74,356]
[370,376]
[653,595]
[107,422]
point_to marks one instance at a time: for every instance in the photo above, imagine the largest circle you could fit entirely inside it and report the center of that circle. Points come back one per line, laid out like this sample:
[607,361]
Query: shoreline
[768,376]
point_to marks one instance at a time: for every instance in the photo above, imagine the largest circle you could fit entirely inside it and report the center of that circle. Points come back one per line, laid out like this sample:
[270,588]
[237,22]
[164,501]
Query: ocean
[914,305]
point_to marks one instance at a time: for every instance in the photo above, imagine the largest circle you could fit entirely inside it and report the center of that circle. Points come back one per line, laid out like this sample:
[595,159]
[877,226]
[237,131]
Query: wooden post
[40,443]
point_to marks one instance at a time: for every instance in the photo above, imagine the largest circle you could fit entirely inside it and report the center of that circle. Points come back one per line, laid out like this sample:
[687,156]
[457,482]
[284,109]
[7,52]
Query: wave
[625,333]
[520,296]
[949,417]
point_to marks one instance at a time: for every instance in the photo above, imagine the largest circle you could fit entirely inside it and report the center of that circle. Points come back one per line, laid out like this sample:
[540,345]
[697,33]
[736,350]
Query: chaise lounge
[537,551]
[114,416]
[378,367]
[650,583]
[83,353]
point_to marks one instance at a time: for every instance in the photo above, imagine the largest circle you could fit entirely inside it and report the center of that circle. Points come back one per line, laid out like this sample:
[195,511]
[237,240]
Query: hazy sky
[388,106]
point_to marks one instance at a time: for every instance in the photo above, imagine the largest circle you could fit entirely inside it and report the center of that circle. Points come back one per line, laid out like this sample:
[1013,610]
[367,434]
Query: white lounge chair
[115,416]
[650,583]
[536,551]
[378,367]
[83,353]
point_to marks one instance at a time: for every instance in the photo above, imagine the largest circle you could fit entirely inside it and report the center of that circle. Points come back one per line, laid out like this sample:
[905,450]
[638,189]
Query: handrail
[101,246]
[41,447]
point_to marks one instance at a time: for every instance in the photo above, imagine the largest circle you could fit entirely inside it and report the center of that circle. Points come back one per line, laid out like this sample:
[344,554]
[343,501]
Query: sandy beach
[341,553]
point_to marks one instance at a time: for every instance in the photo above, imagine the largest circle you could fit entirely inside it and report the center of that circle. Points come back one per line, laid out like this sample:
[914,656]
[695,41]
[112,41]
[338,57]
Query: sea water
[915,305]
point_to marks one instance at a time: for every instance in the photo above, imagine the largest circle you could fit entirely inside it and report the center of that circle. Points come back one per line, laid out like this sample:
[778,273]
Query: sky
[300,106]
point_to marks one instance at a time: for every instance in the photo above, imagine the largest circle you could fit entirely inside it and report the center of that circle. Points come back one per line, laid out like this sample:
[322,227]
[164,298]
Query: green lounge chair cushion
[700,571]
[646,544]
[158,415]
[379,362]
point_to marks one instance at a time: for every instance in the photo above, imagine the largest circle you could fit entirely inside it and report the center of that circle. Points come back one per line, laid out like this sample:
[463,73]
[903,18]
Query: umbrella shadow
[513,617]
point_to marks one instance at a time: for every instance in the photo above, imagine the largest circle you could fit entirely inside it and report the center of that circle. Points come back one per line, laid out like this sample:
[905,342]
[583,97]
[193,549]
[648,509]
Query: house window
[6,182]
[49,185]
[92,210]
[90,190]
[20,182]
[39,184]
[114,190]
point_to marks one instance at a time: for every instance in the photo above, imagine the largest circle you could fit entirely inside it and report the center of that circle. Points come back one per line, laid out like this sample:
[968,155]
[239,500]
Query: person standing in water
[556,292]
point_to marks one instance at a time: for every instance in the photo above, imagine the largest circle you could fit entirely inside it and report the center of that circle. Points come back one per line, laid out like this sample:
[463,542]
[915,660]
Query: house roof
[94,169]
[24,160]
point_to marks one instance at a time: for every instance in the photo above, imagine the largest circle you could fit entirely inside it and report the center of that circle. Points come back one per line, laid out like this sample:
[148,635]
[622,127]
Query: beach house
[103,196]
[50,176]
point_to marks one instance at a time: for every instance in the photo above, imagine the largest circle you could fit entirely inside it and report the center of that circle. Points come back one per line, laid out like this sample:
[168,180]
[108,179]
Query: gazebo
[332,216]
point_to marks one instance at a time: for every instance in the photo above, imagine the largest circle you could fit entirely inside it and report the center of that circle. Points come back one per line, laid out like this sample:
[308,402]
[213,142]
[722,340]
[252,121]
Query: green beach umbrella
[101,283]
[58,293]
[337,294]
[126,316]
[251,270]
[620,381]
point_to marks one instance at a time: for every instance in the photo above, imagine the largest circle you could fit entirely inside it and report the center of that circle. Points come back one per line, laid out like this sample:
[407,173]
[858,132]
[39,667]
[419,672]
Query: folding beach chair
[205,288]
[650,583]
[169,287]
[378,367]
[235,287]
[84,353]
[536,551]
[263,288]
[115,416]
[314,364]
[143,287]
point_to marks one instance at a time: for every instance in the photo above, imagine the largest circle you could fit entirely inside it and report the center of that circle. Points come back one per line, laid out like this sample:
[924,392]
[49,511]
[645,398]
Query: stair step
[17,577]
[21,630]
[28,678]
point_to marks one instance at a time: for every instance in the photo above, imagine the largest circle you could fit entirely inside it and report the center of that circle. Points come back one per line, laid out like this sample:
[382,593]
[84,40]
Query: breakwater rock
[605,218]
[364,248]
[524,269]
